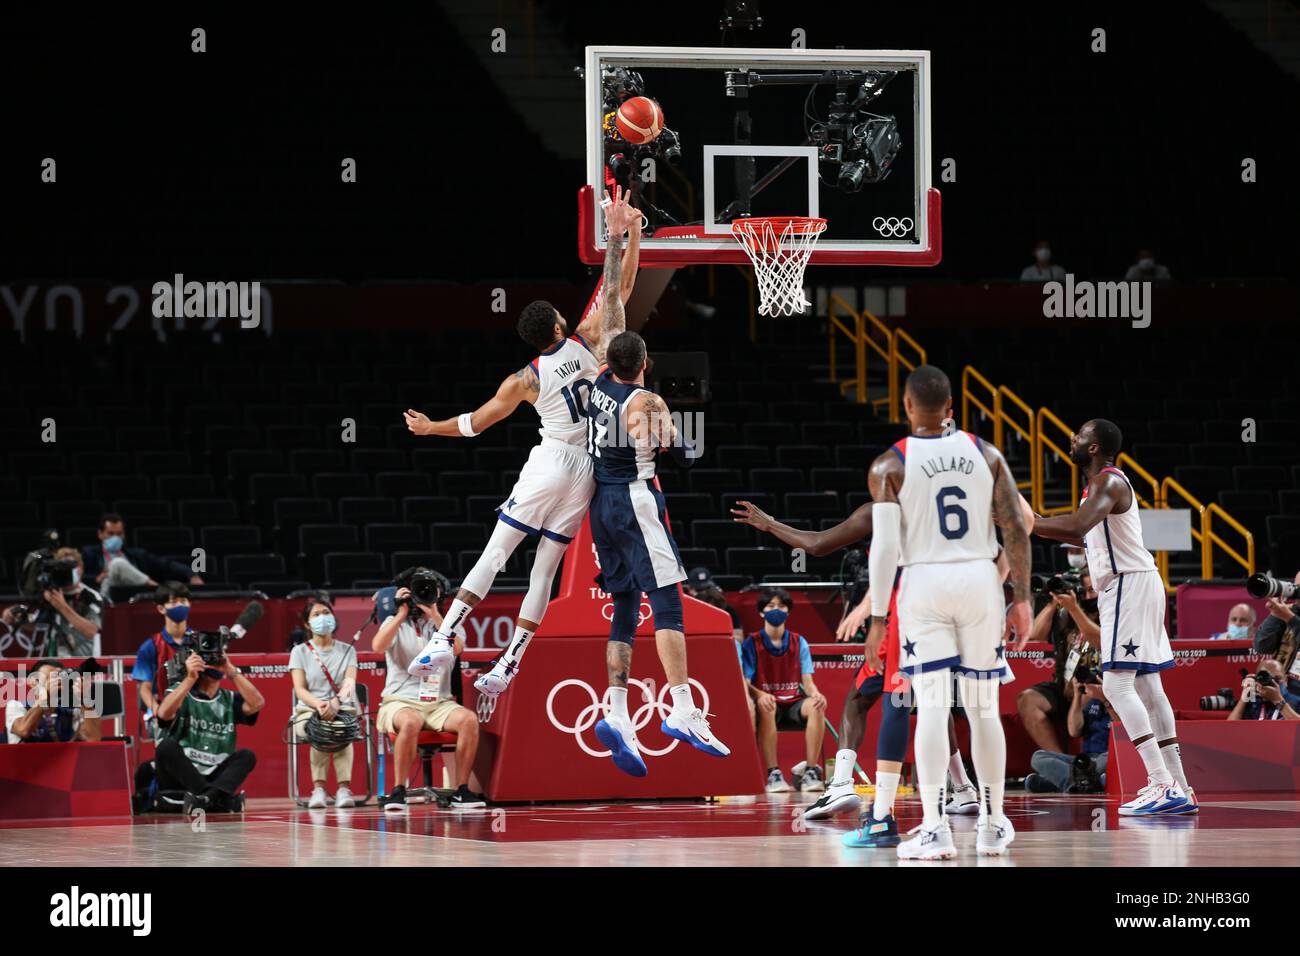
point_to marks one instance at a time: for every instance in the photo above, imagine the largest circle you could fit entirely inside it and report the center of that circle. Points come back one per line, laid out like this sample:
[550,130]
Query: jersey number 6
[947,511]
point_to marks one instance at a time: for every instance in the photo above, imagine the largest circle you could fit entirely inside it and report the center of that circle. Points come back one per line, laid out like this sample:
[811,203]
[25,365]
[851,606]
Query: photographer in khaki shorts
[410,704]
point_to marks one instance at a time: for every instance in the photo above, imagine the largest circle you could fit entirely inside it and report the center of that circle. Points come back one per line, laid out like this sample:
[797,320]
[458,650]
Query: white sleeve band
[466,424]
[886,532]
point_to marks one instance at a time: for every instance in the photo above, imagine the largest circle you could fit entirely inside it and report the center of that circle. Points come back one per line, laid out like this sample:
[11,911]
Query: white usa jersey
[564,373]
[946,500]
[1114,546]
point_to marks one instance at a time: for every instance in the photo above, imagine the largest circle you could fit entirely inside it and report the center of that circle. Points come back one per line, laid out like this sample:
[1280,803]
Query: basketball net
[779,247]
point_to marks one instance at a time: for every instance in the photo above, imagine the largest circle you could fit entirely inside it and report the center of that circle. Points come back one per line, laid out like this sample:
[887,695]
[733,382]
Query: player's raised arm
[1105,491]
[599,328]
[851,530]
[520,387]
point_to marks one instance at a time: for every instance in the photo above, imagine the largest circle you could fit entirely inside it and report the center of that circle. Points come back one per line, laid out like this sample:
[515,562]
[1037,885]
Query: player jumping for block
[938,495]
[627,426]
[1131,604]
[555,486]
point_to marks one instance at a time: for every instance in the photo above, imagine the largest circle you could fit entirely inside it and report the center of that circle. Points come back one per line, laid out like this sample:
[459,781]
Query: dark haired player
[627,426]
[937,496]
[1131,604]
[554,487]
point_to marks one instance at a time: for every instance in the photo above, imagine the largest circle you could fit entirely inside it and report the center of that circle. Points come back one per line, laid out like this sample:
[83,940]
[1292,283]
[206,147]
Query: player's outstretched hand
[746,512]
[619,211]
[1019,620]
[417,422]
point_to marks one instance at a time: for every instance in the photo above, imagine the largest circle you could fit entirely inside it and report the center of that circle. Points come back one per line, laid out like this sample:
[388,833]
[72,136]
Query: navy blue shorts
[635,550]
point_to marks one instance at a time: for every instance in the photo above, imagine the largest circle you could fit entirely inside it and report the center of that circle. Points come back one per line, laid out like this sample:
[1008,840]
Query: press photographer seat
[429,742]
[367,736]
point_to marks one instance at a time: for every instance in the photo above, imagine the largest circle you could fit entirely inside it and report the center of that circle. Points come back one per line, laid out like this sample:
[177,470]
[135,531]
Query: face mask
[113,543]
[322,625]
[178,613]
[1146,265]
[776,617]
[1043,255]
[1076,560]
[1238,632]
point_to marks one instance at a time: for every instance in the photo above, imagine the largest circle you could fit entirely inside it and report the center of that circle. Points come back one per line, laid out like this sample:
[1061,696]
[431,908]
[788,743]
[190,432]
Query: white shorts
[952,615]
[553,492]
[1132,617]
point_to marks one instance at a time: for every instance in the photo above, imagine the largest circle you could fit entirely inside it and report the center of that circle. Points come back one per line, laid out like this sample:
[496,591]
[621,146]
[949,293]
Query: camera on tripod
[1264,585]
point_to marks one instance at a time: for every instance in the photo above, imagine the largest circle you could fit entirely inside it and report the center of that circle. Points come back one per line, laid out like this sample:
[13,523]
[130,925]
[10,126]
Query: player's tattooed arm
[523,386]
[1106,493]
[1008,516]
[631,255]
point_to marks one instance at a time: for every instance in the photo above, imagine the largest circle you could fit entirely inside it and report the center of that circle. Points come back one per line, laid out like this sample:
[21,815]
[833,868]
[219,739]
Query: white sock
[683,702]
[988,743]
[844,761]
[1149,751]
[518,644]
[957,770]
[933,692]
[618,704]
[1172,755]
[886,789]
[457,613]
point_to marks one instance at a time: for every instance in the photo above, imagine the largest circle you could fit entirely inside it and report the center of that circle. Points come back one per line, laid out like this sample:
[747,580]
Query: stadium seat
[1270,478]
[1204,481]
[316,540]
[826,433]
[711,533]
[47,487]
[243,569]
[109,487]
[755,562]
[312,461]
[482,509]
[812,505]
[859,457]
[172,542]
[440,561]
[344,484]
[387,538]
[777,481]
[140,511]
[838,479]
[231,539]
[759,499]
[264,489]
[460,483]
[360,511]
[402,484]
[1217,453]
[65,513]
[742,457]
[344,568]
[769,433]
[1271,452]
[712,481]
[803,456]
[425,509]
[699,557]
[170,487]
[457,536]
[686,507]
[196,512]
[372,461]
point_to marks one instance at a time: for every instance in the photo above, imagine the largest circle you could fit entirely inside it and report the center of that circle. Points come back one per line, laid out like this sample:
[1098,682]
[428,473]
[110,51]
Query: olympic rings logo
[893,228]
[598,708]
[642,613]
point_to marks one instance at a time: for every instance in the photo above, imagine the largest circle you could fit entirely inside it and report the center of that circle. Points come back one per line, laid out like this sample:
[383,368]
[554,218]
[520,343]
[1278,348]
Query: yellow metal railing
[1047,416]
[1027,430]
[895,389]
[992,409]
[1210,539]
[1170,487]
[859,334]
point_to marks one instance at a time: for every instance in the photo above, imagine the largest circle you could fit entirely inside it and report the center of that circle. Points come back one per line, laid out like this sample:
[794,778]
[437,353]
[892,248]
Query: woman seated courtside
[324,673]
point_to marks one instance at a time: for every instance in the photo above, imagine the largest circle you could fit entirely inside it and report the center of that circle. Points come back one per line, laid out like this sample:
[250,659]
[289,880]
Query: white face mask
[1146,265]
[1043,255]
[1076,559]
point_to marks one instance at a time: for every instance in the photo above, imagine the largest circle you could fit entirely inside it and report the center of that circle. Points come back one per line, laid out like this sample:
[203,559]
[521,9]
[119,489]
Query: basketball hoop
[779,247]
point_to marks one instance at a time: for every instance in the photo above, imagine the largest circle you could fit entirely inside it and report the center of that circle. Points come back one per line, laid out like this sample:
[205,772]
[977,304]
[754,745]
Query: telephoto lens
[1223,700]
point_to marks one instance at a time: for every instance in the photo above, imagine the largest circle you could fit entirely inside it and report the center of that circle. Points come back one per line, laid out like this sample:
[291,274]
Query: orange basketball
[640,120]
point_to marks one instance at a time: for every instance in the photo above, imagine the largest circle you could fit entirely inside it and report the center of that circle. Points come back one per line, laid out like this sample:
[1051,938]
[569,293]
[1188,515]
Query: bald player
[937,496]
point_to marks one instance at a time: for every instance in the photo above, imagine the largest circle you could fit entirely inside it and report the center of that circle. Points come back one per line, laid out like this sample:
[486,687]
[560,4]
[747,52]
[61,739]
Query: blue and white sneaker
[694,729]
[993,839]
[437,655]
[872,832]
[934,844]
[1192,806]
[621,741]
[1154,799]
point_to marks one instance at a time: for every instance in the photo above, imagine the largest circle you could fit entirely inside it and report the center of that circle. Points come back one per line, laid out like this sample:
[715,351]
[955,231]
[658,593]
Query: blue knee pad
[666,603]
[622,624]
[891,743]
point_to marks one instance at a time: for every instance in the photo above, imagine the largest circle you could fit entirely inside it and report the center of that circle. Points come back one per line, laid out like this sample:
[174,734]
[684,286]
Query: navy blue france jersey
[617,457]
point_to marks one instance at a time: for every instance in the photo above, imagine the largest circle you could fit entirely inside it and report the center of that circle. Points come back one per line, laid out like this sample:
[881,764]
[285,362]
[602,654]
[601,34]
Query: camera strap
[333,686]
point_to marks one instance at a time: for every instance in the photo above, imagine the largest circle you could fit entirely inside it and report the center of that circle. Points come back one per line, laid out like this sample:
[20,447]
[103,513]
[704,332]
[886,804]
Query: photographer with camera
[1262,696]
[1068,619]
[197,721]
[157,652]
[1279,633]
[410,616]
[324,673]
[1090,717]
[67,620]
[55,709]
[110,563]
